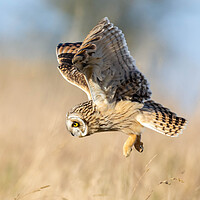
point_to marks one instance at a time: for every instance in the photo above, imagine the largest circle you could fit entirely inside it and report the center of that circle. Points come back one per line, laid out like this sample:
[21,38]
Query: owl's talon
[139,147]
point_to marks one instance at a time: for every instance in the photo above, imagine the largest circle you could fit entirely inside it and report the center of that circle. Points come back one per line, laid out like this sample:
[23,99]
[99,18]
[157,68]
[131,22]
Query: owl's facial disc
[76,126]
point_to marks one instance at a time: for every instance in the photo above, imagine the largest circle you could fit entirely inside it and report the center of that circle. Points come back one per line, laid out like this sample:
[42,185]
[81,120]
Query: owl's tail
[161,119]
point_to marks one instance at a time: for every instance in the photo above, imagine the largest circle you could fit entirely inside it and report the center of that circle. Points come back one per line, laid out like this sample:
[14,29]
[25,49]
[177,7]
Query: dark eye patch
[75,124]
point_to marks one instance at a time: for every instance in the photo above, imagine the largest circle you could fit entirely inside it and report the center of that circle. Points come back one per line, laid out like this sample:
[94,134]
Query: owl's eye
[75,124]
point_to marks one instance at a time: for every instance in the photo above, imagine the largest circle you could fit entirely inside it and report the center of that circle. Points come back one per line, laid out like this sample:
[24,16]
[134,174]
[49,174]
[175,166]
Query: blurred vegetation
[41,160]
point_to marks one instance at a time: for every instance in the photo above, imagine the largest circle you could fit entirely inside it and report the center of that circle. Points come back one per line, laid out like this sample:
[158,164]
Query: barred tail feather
[156,117]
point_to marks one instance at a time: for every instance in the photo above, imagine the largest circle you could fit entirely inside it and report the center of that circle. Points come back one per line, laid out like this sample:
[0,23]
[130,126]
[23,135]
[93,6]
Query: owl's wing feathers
[158,118]
[109,68]
[65,53]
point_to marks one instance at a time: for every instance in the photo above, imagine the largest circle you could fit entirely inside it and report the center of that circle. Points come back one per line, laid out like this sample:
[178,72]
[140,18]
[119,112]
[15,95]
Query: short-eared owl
[119,94]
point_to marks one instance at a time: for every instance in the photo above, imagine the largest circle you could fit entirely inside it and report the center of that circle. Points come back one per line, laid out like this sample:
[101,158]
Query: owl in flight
[118,93]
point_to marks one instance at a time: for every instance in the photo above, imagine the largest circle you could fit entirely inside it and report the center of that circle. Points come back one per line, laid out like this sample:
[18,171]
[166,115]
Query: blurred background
[39,159]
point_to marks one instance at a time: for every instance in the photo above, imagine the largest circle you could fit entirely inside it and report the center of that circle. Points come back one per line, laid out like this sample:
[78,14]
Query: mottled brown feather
[65,53]
[155,116]
[104,53]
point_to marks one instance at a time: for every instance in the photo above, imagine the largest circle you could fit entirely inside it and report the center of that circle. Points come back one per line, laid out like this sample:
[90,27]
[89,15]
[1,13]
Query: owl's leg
[133,139]
[127,148]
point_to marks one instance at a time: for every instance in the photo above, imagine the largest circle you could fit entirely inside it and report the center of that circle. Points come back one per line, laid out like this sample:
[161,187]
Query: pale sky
[36,25]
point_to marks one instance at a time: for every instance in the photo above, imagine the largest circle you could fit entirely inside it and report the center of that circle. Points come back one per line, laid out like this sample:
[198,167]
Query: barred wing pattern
[158,118]
[109,68]
[65,53]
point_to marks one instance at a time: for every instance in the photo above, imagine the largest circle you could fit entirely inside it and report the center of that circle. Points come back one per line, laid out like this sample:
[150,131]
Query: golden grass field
[40,160]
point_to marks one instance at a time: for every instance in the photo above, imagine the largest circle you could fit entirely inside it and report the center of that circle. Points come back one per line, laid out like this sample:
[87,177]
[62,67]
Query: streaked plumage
[119,93]
[65,53]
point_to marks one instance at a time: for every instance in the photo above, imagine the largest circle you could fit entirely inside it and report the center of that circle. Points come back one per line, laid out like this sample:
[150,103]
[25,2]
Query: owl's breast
[123,117]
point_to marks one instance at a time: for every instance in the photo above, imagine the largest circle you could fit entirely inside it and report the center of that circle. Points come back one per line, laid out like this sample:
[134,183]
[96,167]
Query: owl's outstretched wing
[109,68]
[65,53]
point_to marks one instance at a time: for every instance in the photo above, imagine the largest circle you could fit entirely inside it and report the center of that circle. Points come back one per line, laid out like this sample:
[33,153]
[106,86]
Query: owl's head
[76,125]
[84,120]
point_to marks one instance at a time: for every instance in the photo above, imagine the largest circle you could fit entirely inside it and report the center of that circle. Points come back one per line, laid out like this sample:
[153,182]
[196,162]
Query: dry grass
[39,160]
